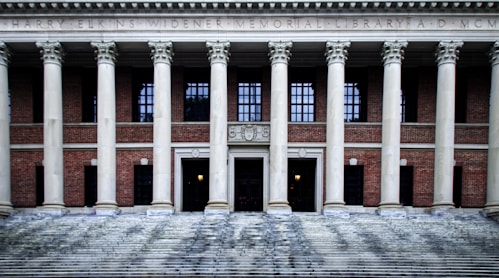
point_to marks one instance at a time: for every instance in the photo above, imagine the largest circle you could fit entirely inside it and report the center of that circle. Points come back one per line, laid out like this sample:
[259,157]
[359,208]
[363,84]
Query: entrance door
[354,185]
[195,184]
[301,184]
[406,185]
[248,185]
[90,185]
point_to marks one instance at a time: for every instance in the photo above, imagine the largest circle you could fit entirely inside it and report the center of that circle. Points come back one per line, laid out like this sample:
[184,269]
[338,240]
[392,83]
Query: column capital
[105,51]
[494,54]
[218,52]
[393,52]
[4,54]
[52,51]
[336,51]
[280,51]
[448,52]
[161,51]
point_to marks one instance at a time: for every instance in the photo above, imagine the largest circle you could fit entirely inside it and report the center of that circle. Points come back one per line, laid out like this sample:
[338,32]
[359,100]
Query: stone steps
[242,245]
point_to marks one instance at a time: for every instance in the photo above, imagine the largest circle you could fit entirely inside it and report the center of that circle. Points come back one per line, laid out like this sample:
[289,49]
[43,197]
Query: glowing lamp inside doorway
[297,177]
[200,178]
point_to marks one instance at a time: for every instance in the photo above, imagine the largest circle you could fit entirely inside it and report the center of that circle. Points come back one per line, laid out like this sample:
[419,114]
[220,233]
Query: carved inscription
[253,23]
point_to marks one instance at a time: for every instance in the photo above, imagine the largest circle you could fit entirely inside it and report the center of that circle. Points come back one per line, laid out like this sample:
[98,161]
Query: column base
[441,209]
[160,208]
[279,208]
[336,210]
[391,210]
[491,210]
[217,207]
[106,209]
[53,210]
[6,210]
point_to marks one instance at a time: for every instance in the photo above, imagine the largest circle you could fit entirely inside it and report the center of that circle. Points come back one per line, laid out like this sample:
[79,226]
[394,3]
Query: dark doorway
[354,185]
[406,185]
[90,185]
[142,185]
[40,185]
[195,184]
[248,185]
[301,184]
[458,186]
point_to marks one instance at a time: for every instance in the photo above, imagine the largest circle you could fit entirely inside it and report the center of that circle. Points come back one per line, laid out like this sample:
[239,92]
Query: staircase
[249,244]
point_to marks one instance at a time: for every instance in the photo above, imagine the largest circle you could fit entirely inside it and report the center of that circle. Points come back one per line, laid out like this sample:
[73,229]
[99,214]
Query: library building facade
[266,106]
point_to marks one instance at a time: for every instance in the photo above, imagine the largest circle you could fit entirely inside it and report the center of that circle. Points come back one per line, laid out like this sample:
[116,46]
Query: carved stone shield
[249,133]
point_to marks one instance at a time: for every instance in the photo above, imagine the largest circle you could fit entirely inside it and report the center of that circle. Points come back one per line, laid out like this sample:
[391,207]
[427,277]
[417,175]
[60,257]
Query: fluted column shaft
[279,56]
[447,56]
[162,54]
[219,58]
[53,160]
[492,204]
[336,55]
[5,190]
[106,128]
[393,54]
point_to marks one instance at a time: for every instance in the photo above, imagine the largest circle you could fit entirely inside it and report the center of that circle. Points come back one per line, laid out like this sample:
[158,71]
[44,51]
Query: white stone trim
[184,153]
[318,155]
[291,145]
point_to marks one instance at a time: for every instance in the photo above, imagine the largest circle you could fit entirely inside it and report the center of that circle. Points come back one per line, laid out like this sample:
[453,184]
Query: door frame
[192,152]
[248,152]
[318,155]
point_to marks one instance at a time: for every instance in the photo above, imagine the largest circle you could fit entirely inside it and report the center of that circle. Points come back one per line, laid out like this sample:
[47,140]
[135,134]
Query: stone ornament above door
[249,133]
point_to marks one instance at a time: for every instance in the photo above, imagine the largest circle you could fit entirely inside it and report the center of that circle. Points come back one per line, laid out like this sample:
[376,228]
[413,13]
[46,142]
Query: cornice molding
[250,6]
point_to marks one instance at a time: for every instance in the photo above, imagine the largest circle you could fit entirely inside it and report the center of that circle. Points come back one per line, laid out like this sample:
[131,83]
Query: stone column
[5,202]
[161,53]
[336,55]
[492,205]
[393,54]
[53,159]
[279,57]
[219,58]
[447,56]
[106,129]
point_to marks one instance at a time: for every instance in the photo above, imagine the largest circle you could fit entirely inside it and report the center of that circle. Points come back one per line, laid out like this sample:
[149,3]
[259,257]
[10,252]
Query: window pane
[249,101]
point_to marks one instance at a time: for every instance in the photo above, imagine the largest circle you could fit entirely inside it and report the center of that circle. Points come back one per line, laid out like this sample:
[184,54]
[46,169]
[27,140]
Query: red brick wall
[232,94]
[74,175]
[124,94]
[478,95]
[321,94]
[72,95]
[362,133]
[21,89]
[23,177]
[306,132]
[126,161]
[423,175]
[80,134]
[26,134]
[427,95]
[177,94]
[474,180]
[374,94]
[371,159]
[417,134]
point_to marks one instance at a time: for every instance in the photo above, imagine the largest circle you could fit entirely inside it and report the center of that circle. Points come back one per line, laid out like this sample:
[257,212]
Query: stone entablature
[335,22]
[247,6]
